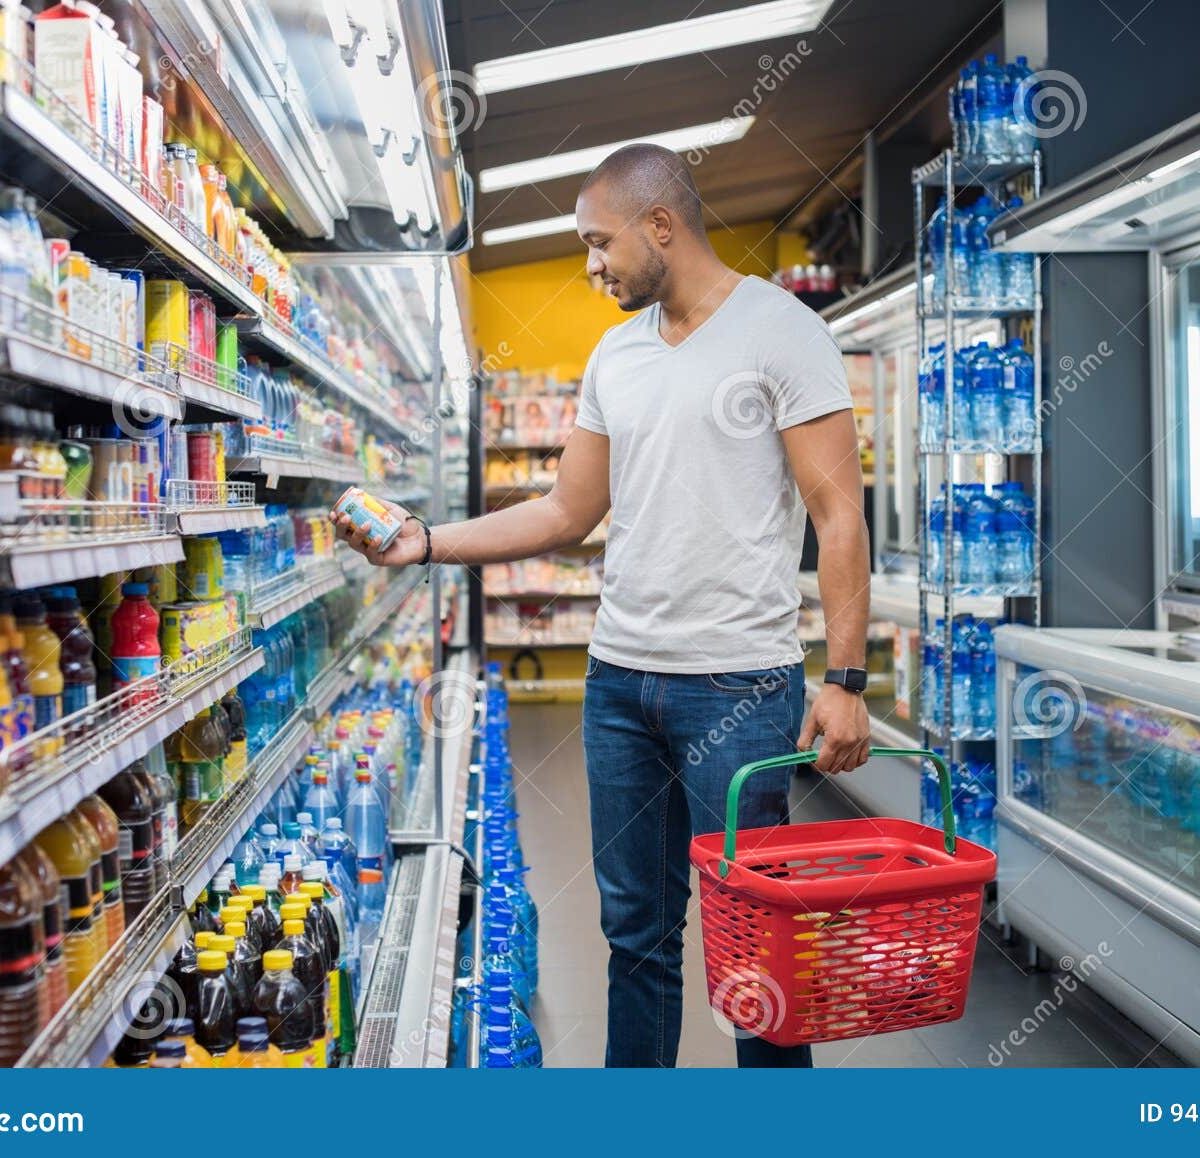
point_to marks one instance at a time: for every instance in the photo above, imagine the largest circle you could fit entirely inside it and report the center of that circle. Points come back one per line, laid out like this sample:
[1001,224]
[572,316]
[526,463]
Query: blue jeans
[661,751]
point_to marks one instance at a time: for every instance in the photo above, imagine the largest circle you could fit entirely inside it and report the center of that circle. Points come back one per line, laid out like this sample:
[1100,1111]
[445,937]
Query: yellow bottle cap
[240,902]
[234,913]
[255,892]
[277,959]
[313,889]
[210,961]
[293,913]
[293,928]
[223,943]
[235,929]
[203,938]
[298,898]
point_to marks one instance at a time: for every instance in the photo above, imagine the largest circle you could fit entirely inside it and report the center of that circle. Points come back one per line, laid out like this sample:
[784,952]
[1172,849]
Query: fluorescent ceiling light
[542,228]
[584,160]
[660,42]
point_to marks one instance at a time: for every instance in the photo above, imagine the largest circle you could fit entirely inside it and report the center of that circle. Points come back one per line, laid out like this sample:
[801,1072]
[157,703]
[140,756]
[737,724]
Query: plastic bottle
[293,873]
[1018,270]
[63,843]
[282,1000]
[65,618]
[236,757]
[1021,120]
[183,1030]
[936,539]
[506,1010]
[216,1006]
[24,1000]
[367,827]
[42,657]
[241,982]
[248,859]
[987,381]
[201,754]
[106,826]
[309,969]
[320,801]
[130,798]
[983,678]
[960,676]
[993,110]
[979,555]
[960,255]
[932,396]
[54,923]
[1020,420]
[166,811]
[135,649]
[268,841]
[935,233]
[986,265]
[13,643]
[262,917]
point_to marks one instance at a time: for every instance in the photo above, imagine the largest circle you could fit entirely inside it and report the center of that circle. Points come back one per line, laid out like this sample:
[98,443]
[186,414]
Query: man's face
[623,252]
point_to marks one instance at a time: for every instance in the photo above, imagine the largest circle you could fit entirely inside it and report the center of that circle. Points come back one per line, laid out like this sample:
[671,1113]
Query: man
[699,421]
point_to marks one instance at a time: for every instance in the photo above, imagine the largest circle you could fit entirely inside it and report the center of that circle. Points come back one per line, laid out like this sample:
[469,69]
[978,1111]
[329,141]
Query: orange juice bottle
[45,679]
[196,1057]
[108,832]
[54,919]
[87,834]
[62,843]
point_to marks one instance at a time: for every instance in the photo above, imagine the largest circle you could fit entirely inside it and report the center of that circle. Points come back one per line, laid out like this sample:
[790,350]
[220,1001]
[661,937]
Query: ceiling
[870,63]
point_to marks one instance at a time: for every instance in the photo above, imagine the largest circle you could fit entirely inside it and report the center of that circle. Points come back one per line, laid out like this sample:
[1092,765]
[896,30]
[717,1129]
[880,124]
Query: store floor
[569,1008]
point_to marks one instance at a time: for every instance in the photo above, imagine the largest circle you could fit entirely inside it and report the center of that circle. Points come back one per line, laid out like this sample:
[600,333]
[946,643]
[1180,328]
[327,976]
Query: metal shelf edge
[39,565]
[201,521]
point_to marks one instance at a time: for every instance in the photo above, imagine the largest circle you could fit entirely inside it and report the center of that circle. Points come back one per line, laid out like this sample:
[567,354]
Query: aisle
[569,1008]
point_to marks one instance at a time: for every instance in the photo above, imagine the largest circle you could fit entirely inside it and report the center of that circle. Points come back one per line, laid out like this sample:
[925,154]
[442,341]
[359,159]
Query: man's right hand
[408,547]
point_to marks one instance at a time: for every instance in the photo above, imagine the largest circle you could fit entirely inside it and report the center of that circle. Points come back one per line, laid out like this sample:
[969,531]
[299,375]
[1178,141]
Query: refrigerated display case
[1099,837]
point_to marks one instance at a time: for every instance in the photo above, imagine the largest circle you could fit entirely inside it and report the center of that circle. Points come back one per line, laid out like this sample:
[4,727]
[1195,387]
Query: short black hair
[640,176]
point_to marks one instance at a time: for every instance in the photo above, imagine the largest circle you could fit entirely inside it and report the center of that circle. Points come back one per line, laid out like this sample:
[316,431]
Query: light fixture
[660,42]
[1184,162]
[369,14]
[526,229]
[584,160]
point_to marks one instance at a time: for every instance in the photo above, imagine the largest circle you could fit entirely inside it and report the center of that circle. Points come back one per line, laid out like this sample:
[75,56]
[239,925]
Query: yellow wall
[544,315]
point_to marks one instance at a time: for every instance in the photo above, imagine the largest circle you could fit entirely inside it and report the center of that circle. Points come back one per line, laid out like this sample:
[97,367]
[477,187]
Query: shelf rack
[947,174]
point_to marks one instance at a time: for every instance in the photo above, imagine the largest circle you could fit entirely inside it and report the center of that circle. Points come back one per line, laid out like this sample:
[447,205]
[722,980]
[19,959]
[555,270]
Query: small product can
[227,355]
[202,464]
[133,302]
[362,508]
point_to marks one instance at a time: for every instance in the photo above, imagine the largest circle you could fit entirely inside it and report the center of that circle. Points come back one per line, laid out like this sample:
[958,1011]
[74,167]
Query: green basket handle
[733,798]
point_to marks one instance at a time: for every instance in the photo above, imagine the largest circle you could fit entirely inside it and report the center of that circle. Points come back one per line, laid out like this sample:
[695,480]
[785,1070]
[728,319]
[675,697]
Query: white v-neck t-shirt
[700,570]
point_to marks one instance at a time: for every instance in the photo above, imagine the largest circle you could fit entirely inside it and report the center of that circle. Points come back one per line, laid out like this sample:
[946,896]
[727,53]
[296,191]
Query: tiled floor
[570,1005]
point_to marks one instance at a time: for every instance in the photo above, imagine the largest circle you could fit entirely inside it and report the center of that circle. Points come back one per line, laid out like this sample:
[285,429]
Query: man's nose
[595,264]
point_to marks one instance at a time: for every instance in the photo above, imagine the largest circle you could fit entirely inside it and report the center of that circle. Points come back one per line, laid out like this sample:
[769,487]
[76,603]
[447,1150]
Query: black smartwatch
[853,679]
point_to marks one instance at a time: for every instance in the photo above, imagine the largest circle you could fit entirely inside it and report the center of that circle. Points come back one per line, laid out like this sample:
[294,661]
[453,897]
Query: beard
[644,286]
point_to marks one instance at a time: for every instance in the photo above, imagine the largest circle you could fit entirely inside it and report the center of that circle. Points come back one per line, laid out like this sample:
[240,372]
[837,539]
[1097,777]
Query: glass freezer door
[1184,431]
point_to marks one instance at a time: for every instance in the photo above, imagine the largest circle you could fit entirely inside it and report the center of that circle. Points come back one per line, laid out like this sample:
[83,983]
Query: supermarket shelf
[538,645]
[205,508]
[538,595]
[47,143]
[260,332]
[284,599]
[209,844]
[210,397]
[34,361]
[277,466]
[937,450]
[37,562]
[970,171]
[983,590]
[211,520]
[973,308]
[94,1018]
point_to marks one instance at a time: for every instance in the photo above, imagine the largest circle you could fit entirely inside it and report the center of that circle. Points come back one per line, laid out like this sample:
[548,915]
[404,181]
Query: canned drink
[365,510]
[75,304]
[167,321]
[133,301]
[227,355]
[203,574]
[202,464]
[177,452]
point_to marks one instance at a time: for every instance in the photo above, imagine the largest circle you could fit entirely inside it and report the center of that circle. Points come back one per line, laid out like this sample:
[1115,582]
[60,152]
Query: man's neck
[694,298]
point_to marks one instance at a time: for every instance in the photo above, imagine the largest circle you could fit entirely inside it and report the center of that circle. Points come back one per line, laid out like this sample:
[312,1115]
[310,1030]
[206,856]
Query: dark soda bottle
[23,998]
[216,1006]
[129,797]
[281,999]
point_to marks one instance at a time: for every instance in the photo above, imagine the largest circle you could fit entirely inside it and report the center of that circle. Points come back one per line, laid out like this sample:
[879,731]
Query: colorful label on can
[365,510]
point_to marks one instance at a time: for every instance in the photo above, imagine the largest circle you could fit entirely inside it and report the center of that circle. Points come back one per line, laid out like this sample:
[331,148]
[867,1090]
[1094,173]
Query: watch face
[856,679]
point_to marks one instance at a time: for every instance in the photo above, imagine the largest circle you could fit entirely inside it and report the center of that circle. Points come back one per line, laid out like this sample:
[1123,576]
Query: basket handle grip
[733,797]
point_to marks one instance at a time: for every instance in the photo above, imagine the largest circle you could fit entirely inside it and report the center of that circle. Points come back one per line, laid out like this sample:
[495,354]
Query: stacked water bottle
[973,790]
[983,279]
[994,538]
[510,923]
[972,678]
[992,394]
[993,111]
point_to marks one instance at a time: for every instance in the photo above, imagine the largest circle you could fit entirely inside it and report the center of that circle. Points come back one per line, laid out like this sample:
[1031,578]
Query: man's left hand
[841,717]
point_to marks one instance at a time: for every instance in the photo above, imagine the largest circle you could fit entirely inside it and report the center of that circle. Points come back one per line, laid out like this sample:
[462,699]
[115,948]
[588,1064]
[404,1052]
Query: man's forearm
[518,532]
[844,576]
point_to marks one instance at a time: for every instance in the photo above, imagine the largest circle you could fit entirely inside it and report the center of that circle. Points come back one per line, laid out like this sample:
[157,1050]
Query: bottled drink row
[993,396]
[978,275]
[972,677]
[510,921]
[993,111]
[994,535]
[973,789]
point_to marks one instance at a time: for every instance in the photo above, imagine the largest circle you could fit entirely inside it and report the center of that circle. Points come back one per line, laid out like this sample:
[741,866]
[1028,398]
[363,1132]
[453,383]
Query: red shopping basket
[848,928]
